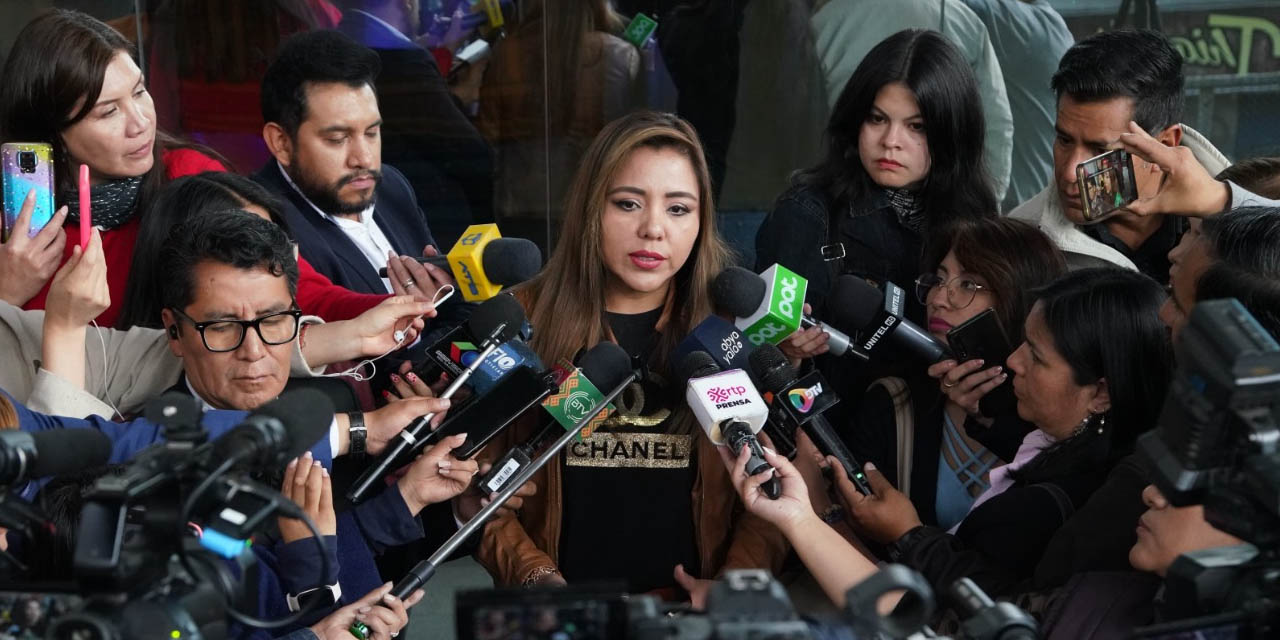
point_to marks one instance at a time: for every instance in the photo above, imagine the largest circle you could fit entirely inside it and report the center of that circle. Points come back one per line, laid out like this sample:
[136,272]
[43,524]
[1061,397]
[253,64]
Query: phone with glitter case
[28,166]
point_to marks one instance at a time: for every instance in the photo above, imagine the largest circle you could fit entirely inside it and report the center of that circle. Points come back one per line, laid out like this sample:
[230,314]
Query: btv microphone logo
[802,399]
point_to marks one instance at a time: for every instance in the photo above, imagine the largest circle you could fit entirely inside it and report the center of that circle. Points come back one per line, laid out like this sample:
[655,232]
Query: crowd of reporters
[321,272]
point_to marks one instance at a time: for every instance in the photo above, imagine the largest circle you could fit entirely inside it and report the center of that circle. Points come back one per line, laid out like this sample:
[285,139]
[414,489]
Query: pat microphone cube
[781,313]
[466,260]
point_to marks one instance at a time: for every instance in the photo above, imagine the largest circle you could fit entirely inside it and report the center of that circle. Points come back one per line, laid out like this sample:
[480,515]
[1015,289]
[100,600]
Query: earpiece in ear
[173,332]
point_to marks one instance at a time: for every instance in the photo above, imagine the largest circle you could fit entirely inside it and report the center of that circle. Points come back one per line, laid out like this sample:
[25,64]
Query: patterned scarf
[907,205]
[113,202]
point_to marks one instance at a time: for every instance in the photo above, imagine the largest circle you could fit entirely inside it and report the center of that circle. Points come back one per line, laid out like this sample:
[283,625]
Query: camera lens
[27,161]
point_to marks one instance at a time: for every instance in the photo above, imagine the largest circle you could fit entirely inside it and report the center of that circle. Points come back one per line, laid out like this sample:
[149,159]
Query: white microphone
[730,411]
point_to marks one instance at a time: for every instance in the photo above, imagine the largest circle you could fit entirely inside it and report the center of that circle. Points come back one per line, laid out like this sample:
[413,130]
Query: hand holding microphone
[730,411]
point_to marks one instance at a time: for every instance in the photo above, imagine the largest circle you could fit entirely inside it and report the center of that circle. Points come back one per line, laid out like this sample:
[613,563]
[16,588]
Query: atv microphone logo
[802,399]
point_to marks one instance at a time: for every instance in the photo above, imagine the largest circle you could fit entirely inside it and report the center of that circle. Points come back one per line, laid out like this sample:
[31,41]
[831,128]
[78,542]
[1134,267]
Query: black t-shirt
[628,503]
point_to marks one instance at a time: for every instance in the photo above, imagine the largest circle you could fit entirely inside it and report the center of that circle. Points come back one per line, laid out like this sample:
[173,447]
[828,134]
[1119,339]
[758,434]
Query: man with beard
[346,210]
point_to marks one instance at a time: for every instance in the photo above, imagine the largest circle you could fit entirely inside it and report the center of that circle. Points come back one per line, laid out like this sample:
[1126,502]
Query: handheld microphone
[483,262]
[877,317]
[575,394]
[485,418]
[278,431]
[27,455]
[718,338]
[730,411]
[769,307]
[611,368]
[498,319]
[800,403]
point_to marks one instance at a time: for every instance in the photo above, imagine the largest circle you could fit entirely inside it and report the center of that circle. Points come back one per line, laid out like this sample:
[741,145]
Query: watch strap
[358,433]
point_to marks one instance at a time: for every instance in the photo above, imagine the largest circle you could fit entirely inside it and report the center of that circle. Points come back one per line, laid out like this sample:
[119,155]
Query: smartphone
[28,166]
[983,338]
[1106,184]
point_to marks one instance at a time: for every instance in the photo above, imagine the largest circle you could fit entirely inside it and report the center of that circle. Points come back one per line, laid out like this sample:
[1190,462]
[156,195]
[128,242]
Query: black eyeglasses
[220,336]
[960,290]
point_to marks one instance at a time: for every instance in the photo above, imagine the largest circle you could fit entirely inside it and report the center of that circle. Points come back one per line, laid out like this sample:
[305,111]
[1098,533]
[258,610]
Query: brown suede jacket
[515,548]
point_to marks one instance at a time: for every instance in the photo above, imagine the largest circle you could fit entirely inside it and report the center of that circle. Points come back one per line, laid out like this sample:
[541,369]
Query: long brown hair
[58,59]
[566,300]
[8,414]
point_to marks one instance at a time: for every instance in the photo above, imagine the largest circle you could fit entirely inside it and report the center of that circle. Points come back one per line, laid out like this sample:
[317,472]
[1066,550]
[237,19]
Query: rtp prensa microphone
[498,320]
[730,411]
[614,373]
[877,317]
[483,262]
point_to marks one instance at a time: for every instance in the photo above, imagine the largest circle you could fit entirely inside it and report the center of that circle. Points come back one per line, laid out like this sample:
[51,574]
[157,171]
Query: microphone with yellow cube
[483,262]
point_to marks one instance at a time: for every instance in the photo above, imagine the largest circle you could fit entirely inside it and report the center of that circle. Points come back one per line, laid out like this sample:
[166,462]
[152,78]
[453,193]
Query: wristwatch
[358,433]
[326,595]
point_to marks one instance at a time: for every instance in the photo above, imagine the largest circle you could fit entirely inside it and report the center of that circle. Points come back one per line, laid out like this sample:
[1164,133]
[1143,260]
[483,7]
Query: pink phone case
[86,216]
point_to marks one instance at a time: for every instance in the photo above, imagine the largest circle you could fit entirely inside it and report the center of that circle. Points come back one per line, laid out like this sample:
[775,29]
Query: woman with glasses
[925,431]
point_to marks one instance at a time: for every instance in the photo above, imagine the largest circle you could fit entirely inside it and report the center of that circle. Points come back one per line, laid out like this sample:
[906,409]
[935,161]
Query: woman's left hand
[884,516]
[965,384]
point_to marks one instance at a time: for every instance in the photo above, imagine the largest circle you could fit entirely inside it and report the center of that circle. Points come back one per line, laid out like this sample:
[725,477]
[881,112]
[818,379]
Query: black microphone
[505,261]
[612,370]
[877,317]
[494,321]
[742,294]
[278,431]
[27,455]
[718,338]
[800,403]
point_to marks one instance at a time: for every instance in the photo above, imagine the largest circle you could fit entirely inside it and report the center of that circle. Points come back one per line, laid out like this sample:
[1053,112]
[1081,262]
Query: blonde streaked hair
[566,301]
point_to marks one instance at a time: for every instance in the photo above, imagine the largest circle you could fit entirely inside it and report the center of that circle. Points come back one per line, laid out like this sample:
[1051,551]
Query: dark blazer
[426,134]
[330,251]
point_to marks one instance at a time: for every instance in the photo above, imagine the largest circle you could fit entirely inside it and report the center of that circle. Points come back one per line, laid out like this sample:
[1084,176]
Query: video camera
[139,571]
[744,604]
[1218,444]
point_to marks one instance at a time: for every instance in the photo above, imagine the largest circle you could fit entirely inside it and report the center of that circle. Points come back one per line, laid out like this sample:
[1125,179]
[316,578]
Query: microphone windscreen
[696,364]
[737,292]
[772,368]
[606,365]
[854,303]
[306,415]
[510,261]
[63,451]
[502,310]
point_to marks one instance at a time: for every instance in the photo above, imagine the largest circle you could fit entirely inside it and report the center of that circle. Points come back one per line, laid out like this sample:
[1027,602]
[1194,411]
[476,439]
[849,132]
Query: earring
[1084,424]
[1102,422]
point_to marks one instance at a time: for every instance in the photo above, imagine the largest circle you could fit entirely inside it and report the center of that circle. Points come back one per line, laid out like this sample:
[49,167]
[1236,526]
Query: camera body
[1218,444]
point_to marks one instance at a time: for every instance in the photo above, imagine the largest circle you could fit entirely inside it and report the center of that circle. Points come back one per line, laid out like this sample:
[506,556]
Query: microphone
[277,431]
[611,368]
[718,338]
[800,403]
[877,318]
[483,262]
[770,307]
[730,411]
[499,319]
[579,380]
[27,455]
[510,398]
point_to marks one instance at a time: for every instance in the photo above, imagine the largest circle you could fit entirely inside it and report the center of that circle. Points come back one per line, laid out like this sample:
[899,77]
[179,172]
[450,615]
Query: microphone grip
[399,451]
[837,340]
[417,577]
[439,261]
[829,444]
[920,342]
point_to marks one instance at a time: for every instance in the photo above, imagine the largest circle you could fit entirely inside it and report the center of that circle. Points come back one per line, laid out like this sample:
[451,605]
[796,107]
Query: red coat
[316,294]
